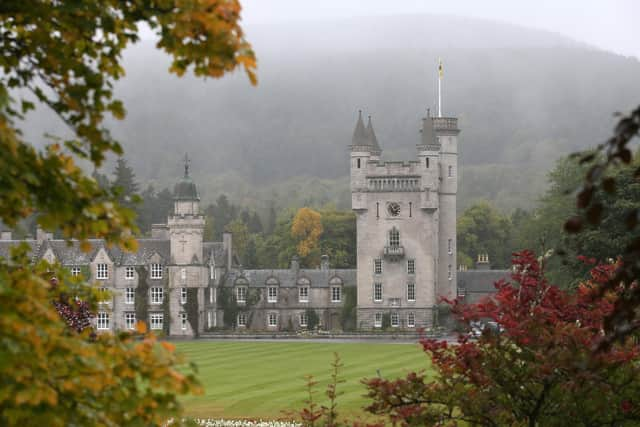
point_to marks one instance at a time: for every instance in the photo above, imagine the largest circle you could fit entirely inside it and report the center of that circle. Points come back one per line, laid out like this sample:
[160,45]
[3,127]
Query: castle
[183,286]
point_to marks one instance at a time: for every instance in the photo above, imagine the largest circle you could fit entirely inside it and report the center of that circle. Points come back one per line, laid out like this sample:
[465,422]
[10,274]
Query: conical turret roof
[359,133]
[371,137]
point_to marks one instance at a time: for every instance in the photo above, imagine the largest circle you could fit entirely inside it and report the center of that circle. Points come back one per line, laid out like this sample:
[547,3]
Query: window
[394,238]
[183,321]
[242,319]
[358,162]
[336,294]
[212,293]
[450,247]
[411,266]
[157,295]
[449,275]
[102,321]
[129,273]
[272,319]
[212,272]
[377,266]
[102,272]
[450,171]
[426,162]
[304,321]
[183,273]
[183,295]
[129,296]
[303,294]
[411,291]
[130,320]
[156,271]
[272,294]
[241,294]
[395,320]
[411,320]
[104,296]
[377,321]
[156,320]
[75,271]
[377,292]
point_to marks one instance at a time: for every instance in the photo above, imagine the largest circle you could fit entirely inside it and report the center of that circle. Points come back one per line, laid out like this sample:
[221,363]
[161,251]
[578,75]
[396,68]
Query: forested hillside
[523,97]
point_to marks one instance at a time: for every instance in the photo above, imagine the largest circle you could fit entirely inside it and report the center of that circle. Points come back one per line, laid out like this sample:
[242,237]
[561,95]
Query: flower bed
[210,422]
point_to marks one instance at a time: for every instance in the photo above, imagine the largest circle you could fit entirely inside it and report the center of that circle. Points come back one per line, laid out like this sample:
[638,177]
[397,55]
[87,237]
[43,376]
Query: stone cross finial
[186,165]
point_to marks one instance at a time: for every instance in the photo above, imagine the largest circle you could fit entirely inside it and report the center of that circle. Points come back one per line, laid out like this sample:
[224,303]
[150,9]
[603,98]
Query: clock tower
[406,226]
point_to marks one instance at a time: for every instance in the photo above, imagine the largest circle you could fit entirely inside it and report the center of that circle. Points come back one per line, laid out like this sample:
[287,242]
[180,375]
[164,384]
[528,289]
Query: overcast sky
[612,25]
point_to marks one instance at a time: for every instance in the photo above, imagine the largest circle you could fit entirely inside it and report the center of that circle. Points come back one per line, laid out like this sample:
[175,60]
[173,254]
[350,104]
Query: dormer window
[129,273]
[102,271]
[156,271]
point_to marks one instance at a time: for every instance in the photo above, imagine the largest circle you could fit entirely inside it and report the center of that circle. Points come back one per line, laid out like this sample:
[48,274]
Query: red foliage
[538,366]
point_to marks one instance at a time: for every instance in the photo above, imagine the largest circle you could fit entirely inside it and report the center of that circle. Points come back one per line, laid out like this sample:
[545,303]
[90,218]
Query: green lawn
[261,379]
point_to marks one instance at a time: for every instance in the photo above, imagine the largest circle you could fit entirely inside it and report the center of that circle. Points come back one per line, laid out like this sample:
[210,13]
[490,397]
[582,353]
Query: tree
[240,234]
[306,230]
[482,229]
[338,238]
[125,184]
[536,366]
[623,320]
[66,56]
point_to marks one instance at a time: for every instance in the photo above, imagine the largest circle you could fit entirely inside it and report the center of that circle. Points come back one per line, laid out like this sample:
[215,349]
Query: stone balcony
[394,252]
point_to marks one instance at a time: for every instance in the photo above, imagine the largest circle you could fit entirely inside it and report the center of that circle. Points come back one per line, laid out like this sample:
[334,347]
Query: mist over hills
[523,97]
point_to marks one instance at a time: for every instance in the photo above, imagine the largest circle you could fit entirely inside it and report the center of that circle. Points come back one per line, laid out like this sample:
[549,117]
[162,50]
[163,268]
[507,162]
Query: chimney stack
[295,264]
[483,262]
[227,245]
[324,262]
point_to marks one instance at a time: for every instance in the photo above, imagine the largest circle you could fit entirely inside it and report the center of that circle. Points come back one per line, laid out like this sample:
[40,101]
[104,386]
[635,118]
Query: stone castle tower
[406,225]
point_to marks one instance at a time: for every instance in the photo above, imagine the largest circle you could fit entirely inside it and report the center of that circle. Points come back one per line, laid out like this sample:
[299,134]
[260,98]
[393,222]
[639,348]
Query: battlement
[445,125]
[393,183]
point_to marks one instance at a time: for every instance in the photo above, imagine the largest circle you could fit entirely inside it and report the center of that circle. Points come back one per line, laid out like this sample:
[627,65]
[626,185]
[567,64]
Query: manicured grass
[261,379]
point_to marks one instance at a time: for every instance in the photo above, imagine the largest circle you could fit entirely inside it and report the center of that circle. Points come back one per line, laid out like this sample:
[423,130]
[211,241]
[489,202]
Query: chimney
[42,235]
[160,231]
[295,264]
[5,235]
[324,262]
[227,245]
[483,262]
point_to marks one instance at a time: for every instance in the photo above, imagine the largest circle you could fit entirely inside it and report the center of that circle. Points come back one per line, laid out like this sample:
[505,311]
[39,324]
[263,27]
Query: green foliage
[482,229]
[313,320]
[241,238]
[191,308]
[349,308]
[141,302]
[229,304]
[125,184]
[386,321]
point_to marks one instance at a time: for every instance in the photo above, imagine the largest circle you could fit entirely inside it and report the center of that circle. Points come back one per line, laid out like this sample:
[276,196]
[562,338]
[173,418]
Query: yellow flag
[440,71]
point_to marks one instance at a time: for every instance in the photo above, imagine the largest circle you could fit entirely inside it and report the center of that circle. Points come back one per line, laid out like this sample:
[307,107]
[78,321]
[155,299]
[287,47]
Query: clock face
[393,208]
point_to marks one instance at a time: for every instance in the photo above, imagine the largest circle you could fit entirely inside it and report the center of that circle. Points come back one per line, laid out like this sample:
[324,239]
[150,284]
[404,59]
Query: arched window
[394,237]
[358,161]
[426,162]
[450,171]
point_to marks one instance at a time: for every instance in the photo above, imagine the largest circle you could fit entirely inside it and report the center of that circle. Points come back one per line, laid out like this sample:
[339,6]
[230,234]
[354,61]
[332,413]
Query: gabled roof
[146,249]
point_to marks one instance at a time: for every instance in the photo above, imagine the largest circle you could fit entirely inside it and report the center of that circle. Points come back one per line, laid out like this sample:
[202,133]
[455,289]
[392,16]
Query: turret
[428,158]
[186,224]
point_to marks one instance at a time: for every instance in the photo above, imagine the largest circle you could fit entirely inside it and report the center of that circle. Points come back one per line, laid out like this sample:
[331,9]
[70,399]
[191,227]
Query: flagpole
[439,87]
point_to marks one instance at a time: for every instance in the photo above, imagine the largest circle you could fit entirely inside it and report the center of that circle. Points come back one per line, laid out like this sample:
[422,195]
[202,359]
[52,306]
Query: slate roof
[69,253]
[5,246]
[289,278]
[146,249]
[359,133]
[217,250]
[481,281]
[185,189]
